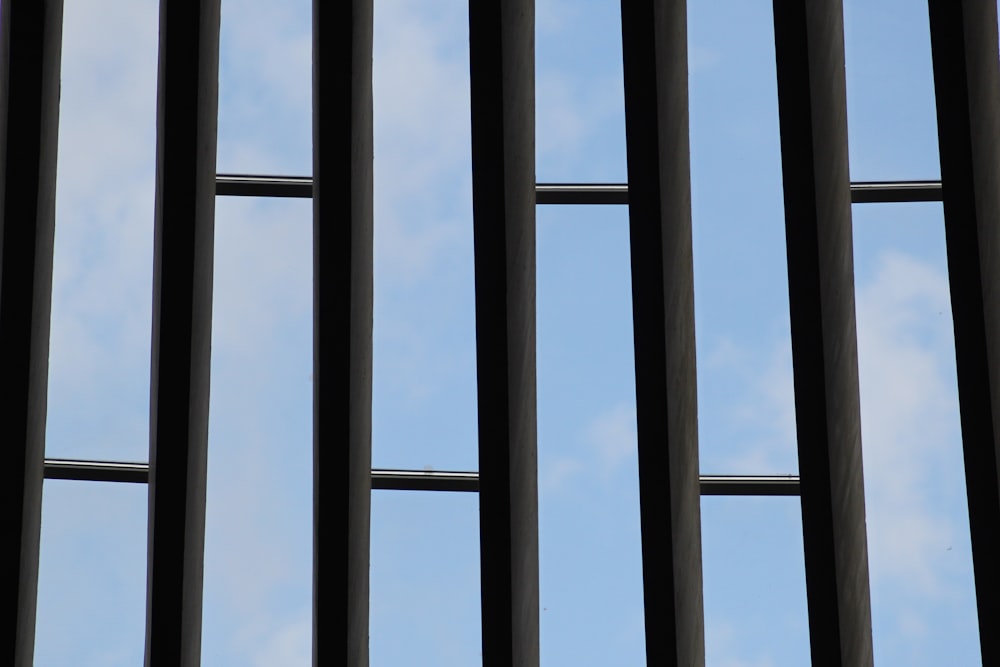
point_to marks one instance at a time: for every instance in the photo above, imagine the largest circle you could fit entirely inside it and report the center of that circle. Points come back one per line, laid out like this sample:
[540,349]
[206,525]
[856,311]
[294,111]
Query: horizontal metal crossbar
[892,192]
[420,480]
[263,186]
[581,193]
[425,480]
[862,192]
[749,485]
[97,471]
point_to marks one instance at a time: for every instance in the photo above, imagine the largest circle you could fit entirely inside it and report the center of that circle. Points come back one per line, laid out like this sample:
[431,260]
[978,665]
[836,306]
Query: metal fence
[817,200]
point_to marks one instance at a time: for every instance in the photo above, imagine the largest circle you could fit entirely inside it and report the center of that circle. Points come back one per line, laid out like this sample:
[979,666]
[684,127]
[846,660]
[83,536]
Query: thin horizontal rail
[894,192]
[97,471]
[862,192]
[419,480]
[237,185]
[581,193]
[749,485]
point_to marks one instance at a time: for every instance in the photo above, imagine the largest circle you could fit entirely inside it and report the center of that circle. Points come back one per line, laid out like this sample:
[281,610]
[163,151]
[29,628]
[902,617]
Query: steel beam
[812,110]
[581,193]
[30,47]
[425,480]
[654,41]
[243,185]
[894,192]
[862,192]
[967,88]
[342,329]
[97,471]
[418,480]
[502,66]
[187,108]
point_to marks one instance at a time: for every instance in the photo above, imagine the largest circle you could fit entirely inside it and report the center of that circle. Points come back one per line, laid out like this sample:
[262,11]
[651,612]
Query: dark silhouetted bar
[581,193]
[863,192]
[967,87]
[342,329]
[654,42]
[894,192]
[97,471]
[502,71]
[418,480]
[30,45]
[812,109]
[187,104]
[243,185]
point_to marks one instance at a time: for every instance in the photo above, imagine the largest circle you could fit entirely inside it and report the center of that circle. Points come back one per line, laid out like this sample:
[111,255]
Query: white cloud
[909,424]
[289,646]
[725,647]
[909,419]
[556,17]
[914,484]
[572,112]
[605,444]
[702,59]
[423,202]
[557,472]
[767,413]
[102,274]
[613,434]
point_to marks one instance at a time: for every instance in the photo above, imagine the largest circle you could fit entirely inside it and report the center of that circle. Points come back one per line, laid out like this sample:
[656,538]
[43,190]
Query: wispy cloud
[290,645]
[910,426]
[725,647]
[102,288]
[915,503]
[613,433]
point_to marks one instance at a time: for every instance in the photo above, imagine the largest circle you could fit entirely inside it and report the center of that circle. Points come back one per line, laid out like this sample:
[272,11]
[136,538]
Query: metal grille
[817,198]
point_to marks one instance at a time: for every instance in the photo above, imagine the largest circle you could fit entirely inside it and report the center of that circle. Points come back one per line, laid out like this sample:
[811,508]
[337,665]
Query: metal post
[30,47]
[342,329]
[809,44]
[502,66]
[654,41]
[187,104]
[967,87]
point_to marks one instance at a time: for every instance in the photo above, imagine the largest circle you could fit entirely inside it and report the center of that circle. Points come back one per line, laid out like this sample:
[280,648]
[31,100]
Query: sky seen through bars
[425,547]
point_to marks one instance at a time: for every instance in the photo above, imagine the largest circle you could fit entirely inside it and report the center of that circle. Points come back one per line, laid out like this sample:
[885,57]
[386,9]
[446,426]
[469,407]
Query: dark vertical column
[967,86]
[342,329]
[186,113]
[809,44]
[502,67]
[30,45]
[654,41]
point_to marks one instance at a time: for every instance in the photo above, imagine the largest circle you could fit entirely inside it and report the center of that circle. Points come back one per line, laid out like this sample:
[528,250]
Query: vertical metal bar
[967,87]
[30,48]
[502,67]
[809,44]
[654,41]
[342,329]
[187,103]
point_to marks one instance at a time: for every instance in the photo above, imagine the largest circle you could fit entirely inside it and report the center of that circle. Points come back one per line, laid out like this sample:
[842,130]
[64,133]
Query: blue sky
[425,599]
